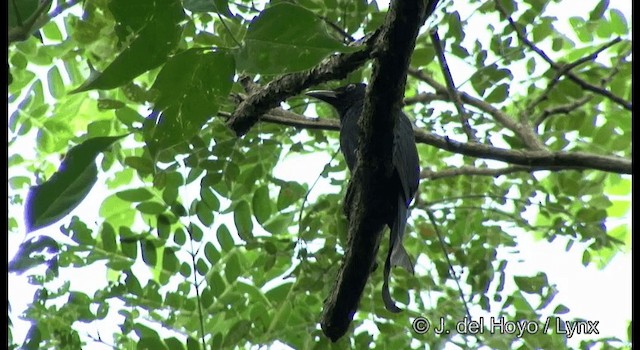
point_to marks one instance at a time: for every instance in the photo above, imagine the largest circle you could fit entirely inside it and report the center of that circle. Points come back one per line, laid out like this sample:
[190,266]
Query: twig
[561,109]
[475,171]
[451,88]
[195,284]
[561,160]
[583,84]
[338,29]
[566,68]
[524,132]
[335,67]
[27,27]
[443,244]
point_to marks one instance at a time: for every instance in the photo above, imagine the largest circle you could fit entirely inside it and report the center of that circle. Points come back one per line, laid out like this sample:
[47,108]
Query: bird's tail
[397,255]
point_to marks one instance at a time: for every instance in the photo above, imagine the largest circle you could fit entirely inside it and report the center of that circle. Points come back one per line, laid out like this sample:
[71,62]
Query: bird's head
[341,98]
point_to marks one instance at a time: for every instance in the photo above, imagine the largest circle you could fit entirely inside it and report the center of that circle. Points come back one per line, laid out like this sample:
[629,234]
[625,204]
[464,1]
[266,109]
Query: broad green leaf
[286,38]
[618,22]
[128,116]
[55,83]
[237,332]
[108,238]
[163,226]
[132,16]
[149,254]
[242,219]
[290,193]
[141,164]
[211,253]
[170,262]
[261,204]
[135,195]
[150,48]
[174,343]
[498,94]
[278,224]
[218,6]
[190,88]
[116,211]
[30,253]
[58,196]
[533,284]
[51,31]
[151,208]
[53,136]
[205,215]
[23,9]
[224,238]
[151,343]
[598,12]
[232,268]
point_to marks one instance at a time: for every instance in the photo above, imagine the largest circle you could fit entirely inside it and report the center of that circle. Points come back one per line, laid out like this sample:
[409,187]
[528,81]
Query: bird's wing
[405,157]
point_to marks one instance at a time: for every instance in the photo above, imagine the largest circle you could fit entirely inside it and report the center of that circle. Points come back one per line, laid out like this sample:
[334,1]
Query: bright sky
[592,294]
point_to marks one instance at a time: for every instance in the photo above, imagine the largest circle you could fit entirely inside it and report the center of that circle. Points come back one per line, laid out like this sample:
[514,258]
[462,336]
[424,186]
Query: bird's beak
[327,96]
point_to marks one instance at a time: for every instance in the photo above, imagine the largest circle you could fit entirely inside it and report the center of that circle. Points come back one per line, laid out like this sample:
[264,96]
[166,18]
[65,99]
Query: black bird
[349,102]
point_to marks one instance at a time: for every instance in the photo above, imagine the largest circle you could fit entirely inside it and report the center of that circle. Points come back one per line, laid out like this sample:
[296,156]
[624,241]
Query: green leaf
[498,94]
[23,10]
[224,238]
[55,83]
[174,343]
[30,253]
[598,12]
[170,262]
[237,332]
[108,238]
[135,195]
[128,116]
[151,343]
[561,309]
[211,253]
[218,6]
[618,22]
[149,255]
[163,226]
[232,268]
[151,208]
[278,224]
[179,236]
[58,196]
[261,204]
[531,284]
[209,198]
[205,215]
[149,49]
[286,38]
[290,193]
[242,219]
[142,164]
[190,88]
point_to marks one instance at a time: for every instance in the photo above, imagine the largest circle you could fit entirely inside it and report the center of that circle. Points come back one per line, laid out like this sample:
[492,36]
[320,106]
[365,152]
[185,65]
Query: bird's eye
[351,87]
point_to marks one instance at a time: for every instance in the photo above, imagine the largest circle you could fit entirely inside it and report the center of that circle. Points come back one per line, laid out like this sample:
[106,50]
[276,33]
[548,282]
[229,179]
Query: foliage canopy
[135,96]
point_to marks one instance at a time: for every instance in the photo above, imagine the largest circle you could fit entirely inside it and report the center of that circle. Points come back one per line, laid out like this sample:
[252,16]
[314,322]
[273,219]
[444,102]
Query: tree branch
[538,160]
[369,192]
[561,109]
[454,96]
[556,79]
[271,95]
[25,29]
[493,172]
[524,132]
[583,84]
